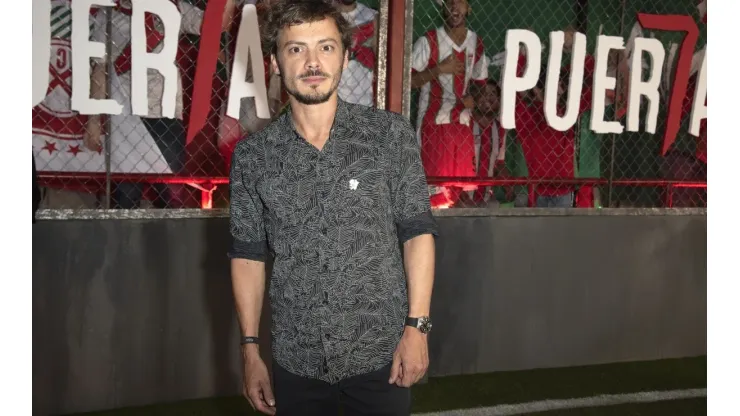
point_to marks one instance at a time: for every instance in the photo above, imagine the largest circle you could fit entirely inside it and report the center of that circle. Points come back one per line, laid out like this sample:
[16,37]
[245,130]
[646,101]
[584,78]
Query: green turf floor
[460,392]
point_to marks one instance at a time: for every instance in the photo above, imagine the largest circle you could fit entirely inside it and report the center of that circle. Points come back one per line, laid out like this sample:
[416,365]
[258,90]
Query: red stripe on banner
[205,67]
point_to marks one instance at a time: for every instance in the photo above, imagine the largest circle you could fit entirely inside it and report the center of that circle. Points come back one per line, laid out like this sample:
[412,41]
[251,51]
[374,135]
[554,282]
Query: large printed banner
[63,39]
[57,130]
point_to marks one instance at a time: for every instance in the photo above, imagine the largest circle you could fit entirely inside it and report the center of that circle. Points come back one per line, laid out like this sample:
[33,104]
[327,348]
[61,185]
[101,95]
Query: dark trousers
[362,395]
[169,135]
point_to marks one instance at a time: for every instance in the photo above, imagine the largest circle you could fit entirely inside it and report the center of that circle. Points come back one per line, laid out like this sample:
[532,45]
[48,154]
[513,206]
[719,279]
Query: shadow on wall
[224,325]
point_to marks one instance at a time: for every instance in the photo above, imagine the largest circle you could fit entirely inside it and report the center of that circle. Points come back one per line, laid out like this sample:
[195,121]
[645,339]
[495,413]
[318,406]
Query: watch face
[425,325]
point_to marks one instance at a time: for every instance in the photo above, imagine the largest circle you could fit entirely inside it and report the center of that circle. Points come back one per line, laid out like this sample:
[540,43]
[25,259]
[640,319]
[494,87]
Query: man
[330,189]
[490,136]
[445,61]
[588,143]
[356,85]
[549,153]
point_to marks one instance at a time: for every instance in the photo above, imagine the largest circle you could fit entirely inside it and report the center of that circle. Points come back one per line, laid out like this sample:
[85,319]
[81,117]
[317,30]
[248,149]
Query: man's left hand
[411,359]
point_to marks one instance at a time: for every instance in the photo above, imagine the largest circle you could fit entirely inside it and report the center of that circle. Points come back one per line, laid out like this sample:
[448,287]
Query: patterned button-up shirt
[334,220]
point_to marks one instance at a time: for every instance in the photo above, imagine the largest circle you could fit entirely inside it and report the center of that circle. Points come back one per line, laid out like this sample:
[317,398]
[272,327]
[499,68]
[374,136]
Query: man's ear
[346,59]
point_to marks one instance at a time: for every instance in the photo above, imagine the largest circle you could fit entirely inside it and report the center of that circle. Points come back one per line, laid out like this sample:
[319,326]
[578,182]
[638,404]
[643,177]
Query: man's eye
[294,49]
[328,48]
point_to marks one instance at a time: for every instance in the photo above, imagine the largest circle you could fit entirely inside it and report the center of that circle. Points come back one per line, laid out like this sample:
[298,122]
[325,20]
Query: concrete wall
[132,312]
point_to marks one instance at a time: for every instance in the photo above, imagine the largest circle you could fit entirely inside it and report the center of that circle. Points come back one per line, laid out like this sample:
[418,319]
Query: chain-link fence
[457,64]
[129,160]
[132,160]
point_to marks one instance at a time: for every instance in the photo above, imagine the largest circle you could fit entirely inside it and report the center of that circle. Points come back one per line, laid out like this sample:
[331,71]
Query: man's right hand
[257,387]
[451,65]
[93,134]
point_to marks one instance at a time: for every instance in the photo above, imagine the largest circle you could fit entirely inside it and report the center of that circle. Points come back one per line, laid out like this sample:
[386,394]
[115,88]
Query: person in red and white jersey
[549,153]
[490,149]
[445,62]
[356,85]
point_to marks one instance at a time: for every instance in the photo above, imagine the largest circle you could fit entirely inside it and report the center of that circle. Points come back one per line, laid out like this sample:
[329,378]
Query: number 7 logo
[675,23]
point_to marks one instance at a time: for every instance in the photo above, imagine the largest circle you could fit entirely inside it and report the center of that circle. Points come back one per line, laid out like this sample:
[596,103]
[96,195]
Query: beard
[314,97]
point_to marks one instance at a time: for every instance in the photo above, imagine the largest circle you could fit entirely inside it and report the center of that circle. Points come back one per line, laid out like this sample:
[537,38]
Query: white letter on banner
[603,82]
[248,49]
[511,84]
[648,88]
[163,61]
[575,85]
[82,50]
[699,109]
[41,49]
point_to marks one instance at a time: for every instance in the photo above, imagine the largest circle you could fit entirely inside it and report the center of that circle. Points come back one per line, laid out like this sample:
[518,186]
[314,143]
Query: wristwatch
[422,323]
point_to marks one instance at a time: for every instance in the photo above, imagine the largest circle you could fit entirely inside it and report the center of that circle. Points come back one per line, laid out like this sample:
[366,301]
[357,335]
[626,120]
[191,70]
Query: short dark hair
[285,13]
[476,90]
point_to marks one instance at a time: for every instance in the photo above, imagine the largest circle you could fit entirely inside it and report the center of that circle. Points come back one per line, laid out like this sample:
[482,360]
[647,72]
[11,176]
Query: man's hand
[451,65]
[468,101]
[411,359]
[257,387]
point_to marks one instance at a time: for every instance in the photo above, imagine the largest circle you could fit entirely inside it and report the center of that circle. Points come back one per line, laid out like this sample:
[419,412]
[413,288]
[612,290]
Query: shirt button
[325,267]
[326,336]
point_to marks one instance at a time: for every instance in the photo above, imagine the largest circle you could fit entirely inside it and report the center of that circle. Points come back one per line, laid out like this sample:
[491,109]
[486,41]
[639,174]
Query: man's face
[488,101]
[455,12]
[310,60]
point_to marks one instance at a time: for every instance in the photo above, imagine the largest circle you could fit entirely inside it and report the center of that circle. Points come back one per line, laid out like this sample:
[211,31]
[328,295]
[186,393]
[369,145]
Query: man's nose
[312,60]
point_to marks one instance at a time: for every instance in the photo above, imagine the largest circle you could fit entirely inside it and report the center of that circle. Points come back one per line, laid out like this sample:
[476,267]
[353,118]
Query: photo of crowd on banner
[457,95]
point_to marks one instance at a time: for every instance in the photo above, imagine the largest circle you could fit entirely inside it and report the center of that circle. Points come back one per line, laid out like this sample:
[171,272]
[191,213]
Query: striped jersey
[440,99]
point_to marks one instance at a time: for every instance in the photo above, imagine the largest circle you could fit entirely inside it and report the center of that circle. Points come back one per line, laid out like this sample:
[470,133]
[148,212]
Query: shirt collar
[342,118]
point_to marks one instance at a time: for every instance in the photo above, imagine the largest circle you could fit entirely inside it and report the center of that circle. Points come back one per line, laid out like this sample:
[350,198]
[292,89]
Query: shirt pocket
[362,196]
[279,196]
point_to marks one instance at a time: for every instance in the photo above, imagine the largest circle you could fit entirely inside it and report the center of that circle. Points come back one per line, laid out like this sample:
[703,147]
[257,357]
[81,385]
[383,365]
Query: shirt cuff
[248,250]
[417,225]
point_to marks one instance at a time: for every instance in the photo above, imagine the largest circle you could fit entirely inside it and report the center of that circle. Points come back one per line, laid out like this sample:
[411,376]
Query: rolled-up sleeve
[245,208]
[411,207]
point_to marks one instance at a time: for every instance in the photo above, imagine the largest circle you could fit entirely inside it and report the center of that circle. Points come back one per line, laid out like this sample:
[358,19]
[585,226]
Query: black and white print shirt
[333,219]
